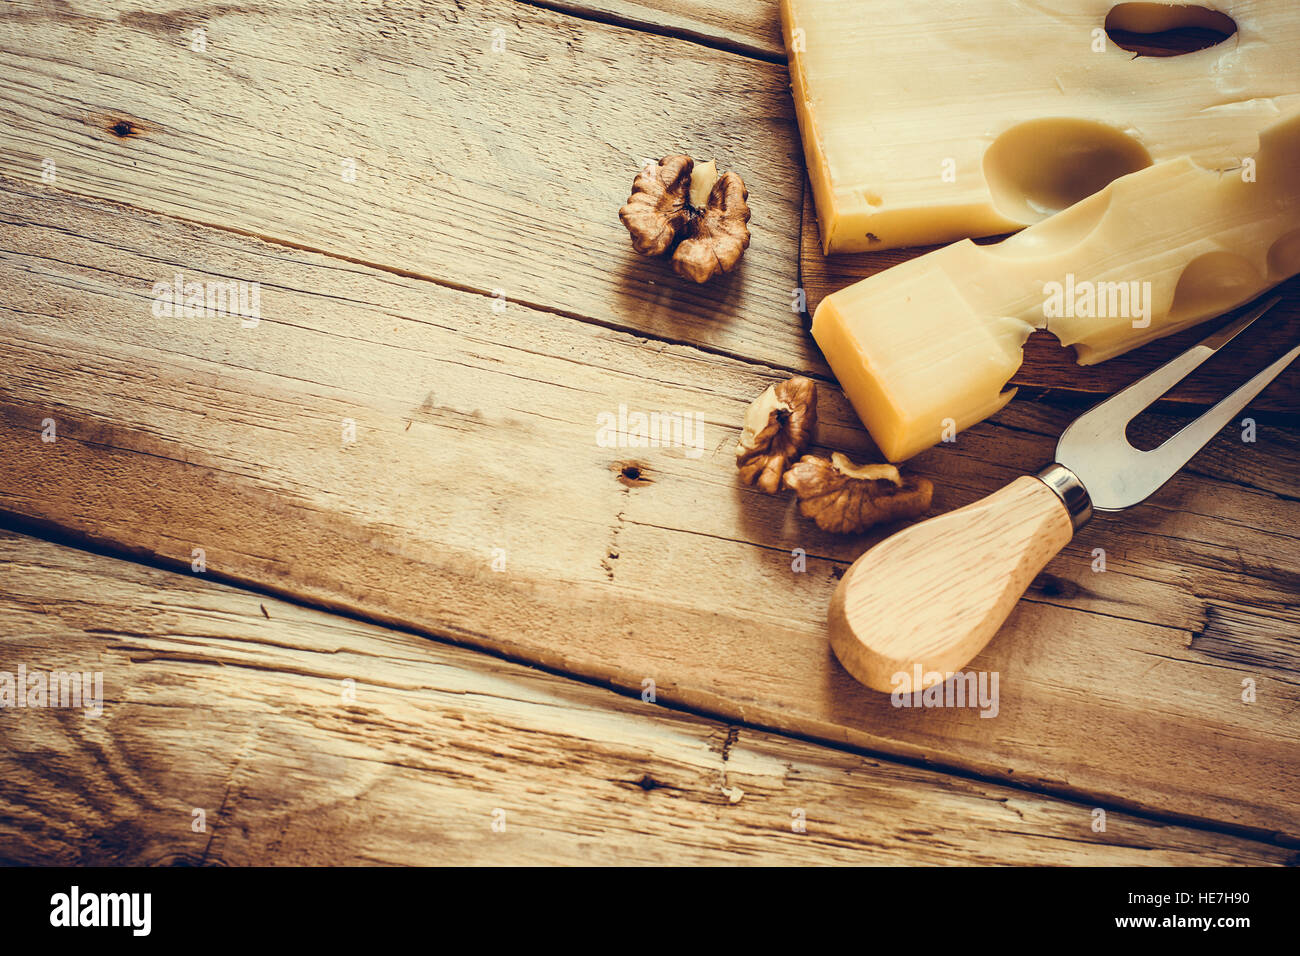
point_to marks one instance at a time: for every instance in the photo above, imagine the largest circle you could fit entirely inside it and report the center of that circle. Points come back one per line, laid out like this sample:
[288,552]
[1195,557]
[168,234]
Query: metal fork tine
[1193,436]
[1130,401]
[1117,475]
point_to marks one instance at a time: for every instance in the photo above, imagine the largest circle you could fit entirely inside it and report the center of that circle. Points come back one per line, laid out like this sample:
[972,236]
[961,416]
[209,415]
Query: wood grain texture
[485,168]
[476,430]
[240,705]
[1047,365]
[931,596]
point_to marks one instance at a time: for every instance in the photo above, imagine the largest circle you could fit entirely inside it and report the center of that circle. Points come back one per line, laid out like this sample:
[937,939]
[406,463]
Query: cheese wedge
[926,122]
[925,348]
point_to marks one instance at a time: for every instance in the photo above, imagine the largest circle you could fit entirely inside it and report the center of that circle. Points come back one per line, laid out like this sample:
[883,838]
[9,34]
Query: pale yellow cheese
[925,121]
[925,348]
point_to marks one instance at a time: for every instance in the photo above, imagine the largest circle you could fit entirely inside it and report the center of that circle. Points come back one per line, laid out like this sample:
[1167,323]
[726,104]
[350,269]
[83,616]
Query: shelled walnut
[779,425]
[845,498]
[701,216]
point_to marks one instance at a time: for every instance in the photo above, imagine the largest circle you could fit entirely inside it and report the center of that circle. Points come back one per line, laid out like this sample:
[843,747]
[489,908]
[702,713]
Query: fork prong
[1128,402]
[1116,474]
[1192,437]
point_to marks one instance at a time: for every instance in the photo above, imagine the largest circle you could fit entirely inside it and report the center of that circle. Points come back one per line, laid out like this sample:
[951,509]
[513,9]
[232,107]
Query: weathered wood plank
[239,705]
[476,430]
[492,169]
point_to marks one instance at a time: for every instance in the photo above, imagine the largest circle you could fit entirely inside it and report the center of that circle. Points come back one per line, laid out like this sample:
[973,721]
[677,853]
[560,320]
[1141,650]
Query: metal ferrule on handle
[1070,490]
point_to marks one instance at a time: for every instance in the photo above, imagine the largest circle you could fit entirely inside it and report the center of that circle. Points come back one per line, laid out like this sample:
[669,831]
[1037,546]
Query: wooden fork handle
[935,593]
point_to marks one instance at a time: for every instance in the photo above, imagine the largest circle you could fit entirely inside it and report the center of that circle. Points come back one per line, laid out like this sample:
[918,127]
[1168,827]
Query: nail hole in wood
[632,474]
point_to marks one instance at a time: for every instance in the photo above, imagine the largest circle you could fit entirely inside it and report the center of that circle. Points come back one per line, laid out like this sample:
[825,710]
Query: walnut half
[779,425]
[845,498]
[690,207]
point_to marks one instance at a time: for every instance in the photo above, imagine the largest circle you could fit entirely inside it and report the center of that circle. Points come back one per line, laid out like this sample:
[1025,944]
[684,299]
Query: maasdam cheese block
[924,349]
[926,121]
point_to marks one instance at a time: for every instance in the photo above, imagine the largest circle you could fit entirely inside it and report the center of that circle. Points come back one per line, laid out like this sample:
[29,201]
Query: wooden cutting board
[1048,365]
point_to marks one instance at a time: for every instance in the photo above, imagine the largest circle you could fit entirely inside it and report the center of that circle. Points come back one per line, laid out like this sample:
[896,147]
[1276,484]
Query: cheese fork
[923,602]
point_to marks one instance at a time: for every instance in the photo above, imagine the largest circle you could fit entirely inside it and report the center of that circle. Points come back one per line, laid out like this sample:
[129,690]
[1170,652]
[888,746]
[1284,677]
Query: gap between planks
[745,40]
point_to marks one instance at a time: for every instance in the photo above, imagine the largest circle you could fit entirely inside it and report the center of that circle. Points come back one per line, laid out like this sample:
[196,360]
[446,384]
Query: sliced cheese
[925,348]
[926,122]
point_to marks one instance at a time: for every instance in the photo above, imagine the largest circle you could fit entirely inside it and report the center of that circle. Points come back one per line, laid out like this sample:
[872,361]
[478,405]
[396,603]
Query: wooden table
[364,587]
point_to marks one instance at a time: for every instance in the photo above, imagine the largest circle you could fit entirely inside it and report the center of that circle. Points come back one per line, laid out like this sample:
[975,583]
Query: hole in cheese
[1159,29]
[1284,256]
[1037,168]
[1057,235]
[1214,282]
